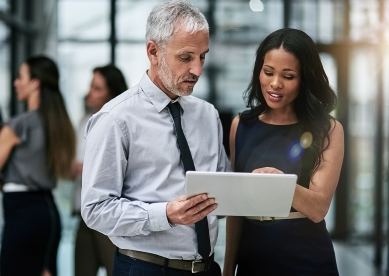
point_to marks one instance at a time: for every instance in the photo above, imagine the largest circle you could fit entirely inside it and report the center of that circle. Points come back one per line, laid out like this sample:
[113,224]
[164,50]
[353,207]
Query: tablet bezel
[244,194]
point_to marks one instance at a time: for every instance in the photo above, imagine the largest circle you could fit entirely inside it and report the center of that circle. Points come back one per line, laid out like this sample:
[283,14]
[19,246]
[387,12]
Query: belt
[292,215]
[193,266]
[15,187]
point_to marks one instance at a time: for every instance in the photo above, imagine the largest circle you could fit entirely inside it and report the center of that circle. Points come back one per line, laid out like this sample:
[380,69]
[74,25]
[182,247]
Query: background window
[4,73]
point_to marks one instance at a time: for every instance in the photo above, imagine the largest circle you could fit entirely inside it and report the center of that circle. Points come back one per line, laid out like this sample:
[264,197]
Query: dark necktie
[202,231]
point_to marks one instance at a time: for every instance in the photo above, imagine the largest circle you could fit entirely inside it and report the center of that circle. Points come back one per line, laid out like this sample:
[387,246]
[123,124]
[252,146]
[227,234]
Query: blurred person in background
[288,129]
[36,149]
[93,249]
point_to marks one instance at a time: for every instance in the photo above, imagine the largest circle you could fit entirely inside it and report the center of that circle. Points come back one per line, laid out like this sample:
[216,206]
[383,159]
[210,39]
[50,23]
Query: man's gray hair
[170,16]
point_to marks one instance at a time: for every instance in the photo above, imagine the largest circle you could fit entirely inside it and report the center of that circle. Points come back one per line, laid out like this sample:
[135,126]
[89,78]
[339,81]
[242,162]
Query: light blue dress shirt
[132,169]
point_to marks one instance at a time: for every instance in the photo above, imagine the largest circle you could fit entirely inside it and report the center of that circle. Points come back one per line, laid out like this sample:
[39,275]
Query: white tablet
[244,194]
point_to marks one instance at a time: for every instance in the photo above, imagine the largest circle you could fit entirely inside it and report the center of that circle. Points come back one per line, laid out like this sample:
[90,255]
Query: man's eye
[185,58]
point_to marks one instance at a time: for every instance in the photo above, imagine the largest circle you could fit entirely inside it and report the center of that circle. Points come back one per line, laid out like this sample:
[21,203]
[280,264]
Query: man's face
[181,62]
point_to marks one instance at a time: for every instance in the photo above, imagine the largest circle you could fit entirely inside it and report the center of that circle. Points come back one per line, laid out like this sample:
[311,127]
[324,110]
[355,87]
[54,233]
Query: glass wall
[327,28]
[83,42]
[242,23]
[3,5]
[83,20]
[385,66]
[4,73]
[76,61]
[364,20]
[362,104]
[366,66]
[83,32]
[131,29]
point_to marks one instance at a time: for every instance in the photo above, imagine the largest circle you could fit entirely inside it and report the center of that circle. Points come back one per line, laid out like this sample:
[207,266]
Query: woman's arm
[234,224]
[315,201]
[8,139]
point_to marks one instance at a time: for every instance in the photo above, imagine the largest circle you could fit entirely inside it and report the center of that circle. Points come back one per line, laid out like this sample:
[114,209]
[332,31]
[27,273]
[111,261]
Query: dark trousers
[31,234]
[127,266]
[92,250]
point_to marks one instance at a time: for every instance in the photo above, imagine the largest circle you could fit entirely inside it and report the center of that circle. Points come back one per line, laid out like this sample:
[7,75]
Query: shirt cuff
[157,217]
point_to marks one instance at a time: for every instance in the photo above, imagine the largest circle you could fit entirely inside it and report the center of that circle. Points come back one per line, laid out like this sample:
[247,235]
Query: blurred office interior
[351,35]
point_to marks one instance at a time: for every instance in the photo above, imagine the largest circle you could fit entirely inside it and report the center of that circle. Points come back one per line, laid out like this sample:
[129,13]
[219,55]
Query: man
[133,177]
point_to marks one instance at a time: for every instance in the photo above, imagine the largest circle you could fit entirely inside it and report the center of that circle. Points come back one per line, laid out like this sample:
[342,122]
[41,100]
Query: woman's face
[280,79]
[24,85]
[98,93]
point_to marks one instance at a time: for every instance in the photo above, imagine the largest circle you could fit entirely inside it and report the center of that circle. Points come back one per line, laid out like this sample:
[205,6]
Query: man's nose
[196,68]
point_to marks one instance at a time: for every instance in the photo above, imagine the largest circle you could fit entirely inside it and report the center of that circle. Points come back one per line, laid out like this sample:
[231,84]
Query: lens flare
[295,151]
[306,140]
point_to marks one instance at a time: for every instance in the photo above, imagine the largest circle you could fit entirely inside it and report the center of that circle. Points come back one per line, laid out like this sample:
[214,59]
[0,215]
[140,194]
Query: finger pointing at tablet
[267,170]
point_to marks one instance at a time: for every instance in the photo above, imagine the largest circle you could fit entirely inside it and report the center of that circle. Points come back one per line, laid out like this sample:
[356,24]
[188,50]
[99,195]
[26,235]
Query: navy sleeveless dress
[281,247]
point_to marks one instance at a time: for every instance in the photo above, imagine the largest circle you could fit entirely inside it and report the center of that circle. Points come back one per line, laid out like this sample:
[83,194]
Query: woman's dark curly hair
[315,100]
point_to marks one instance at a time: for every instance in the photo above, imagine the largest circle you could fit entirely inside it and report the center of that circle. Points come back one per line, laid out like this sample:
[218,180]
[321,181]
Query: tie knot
[175,109]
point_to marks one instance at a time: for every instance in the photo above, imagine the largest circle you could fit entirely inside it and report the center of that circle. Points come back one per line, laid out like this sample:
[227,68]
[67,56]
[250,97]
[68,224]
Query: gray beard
[166,77]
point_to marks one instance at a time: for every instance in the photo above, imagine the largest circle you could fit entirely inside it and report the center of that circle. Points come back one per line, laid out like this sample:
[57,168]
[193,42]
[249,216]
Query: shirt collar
[156,96]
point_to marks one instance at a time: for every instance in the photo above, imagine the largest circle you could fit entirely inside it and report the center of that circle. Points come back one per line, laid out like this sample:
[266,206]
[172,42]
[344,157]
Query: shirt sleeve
[104,172]
[223,162]
[18,125]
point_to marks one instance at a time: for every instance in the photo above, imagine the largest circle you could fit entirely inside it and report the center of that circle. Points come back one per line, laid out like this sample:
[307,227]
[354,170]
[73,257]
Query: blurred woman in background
[93,249]
[36,149]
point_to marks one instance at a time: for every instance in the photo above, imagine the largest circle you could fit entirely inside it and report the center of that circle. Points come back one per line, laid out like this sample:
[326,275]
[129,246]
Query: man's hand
[189,211]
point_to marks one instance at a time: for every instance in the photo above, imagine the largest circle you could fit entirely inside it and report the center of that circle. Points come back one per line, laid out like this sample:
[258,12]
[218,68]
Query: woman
[36,148]
[94,249]
[288,129]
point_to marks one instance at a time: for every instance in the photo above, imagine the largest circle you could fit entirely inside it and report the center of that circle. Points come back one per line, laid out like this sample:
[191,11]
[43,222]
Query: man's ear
[153,52]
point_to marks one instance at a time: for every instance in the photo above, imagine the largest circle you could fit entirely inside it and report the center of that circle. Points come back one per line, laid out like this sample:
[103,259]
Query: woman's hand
[268,170]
